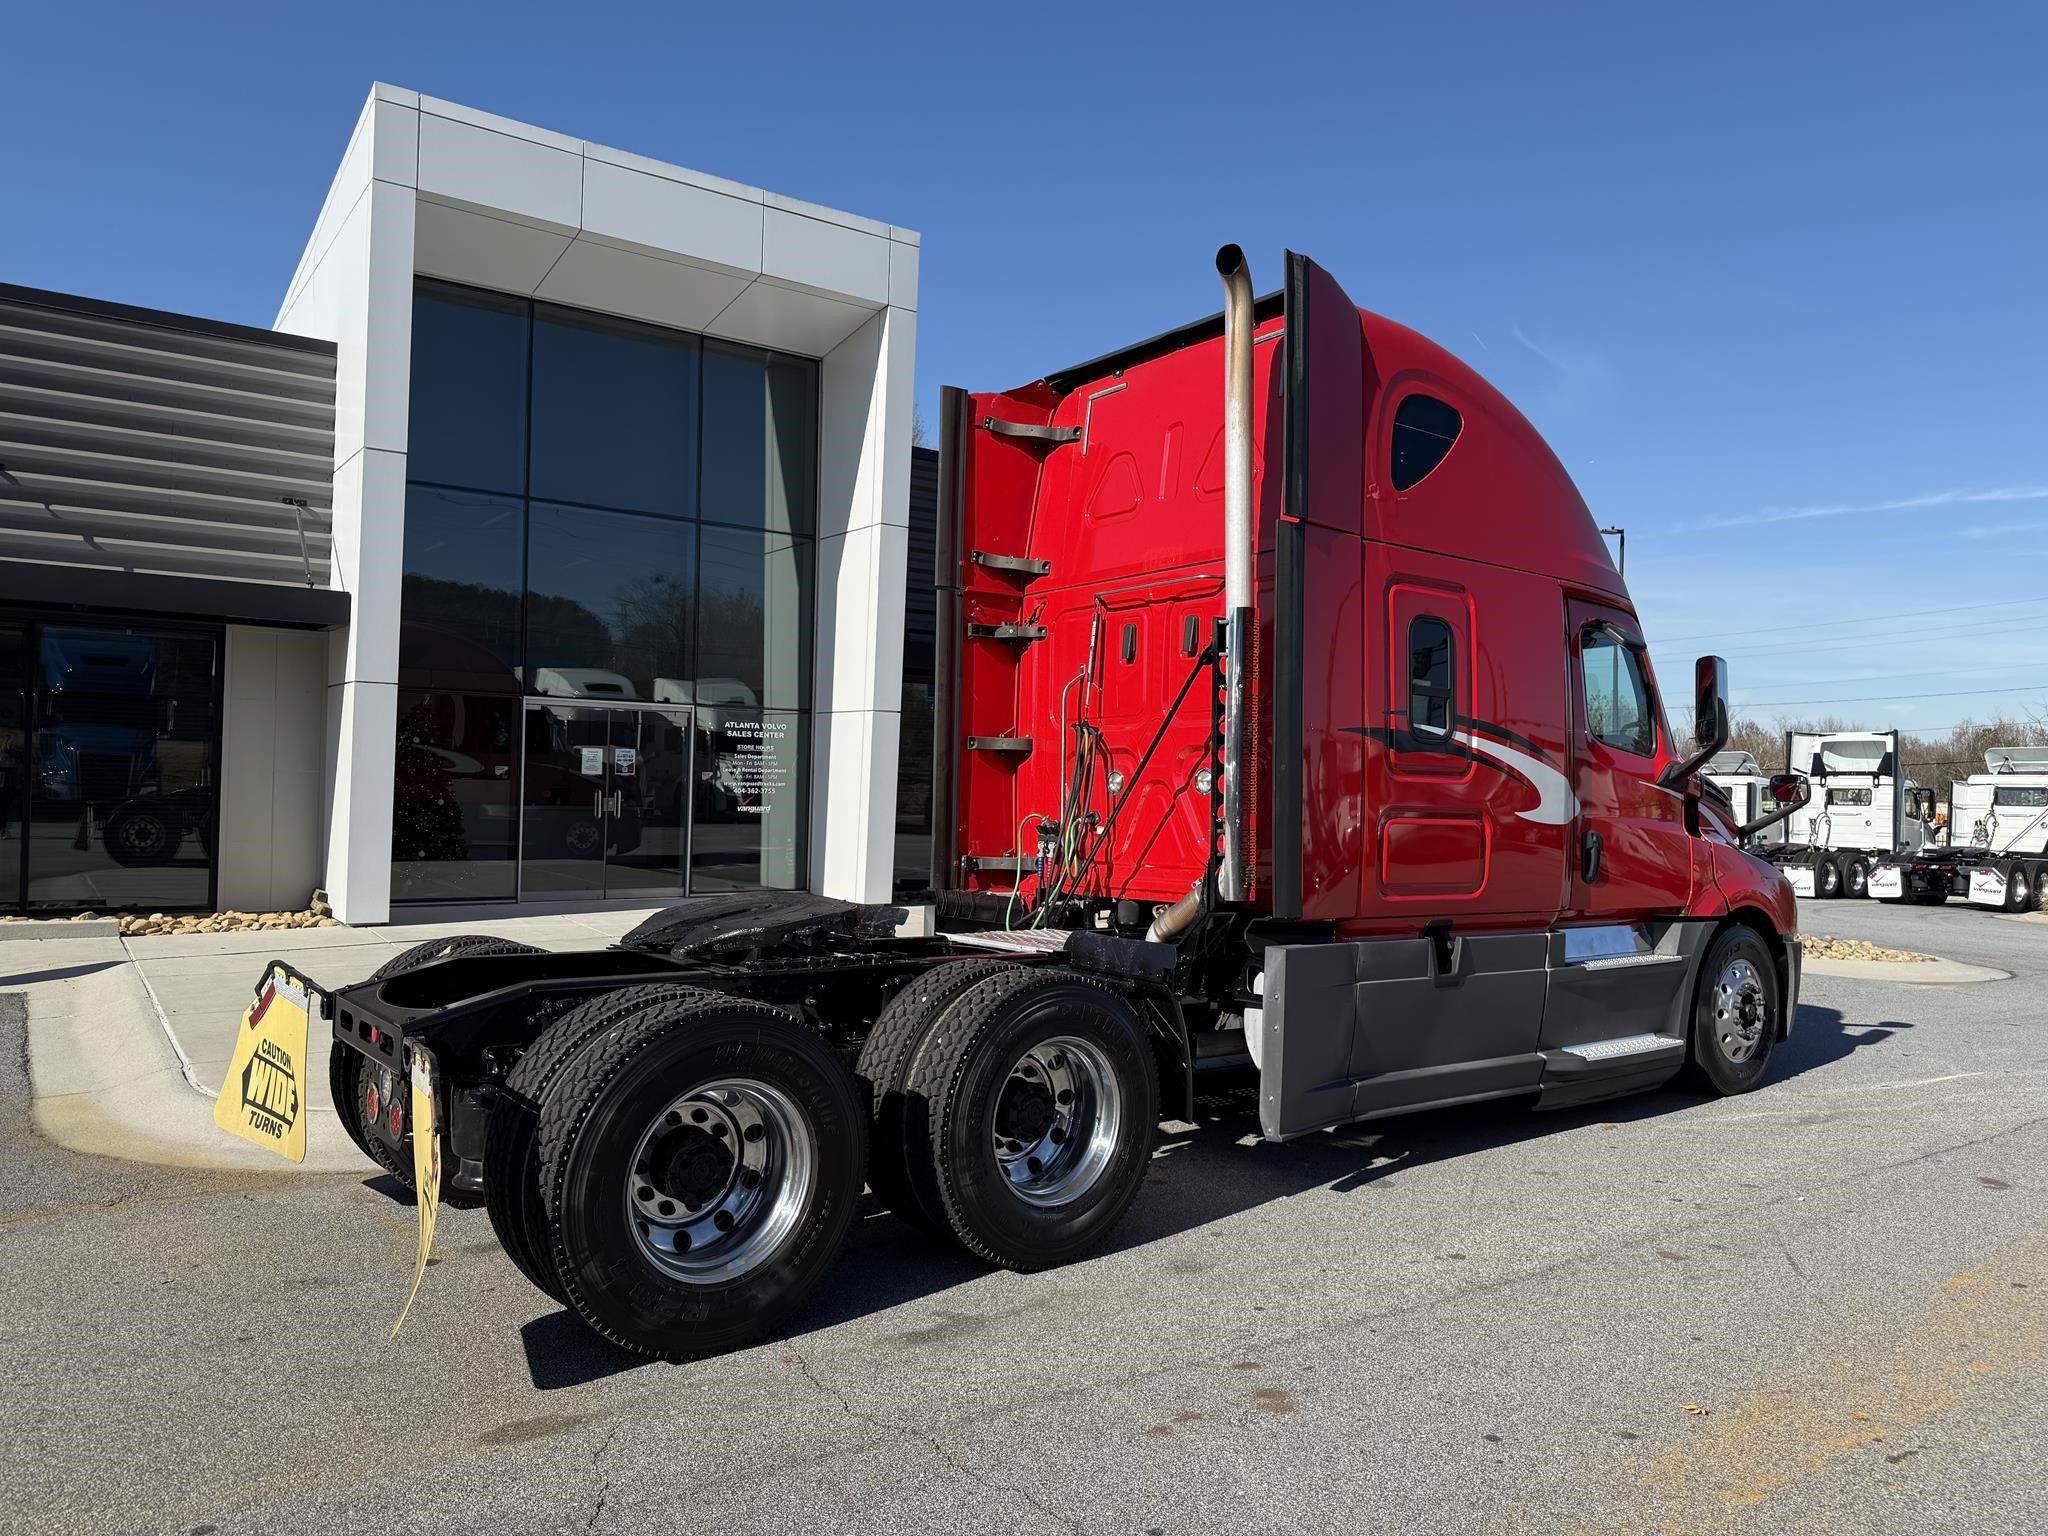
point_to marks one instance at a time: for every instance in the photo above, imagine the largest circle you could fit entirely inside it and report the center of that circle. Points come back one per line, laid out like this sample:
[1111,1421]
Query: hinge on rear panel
[1013,565]
[1018,744]
[1031,430]
[1023,634]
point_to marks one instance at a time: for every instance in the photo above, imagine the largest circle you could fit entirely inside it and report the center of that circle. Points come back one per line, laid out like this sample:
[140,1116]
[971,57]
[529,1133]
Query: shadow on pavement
[61,973]
[1199,1177]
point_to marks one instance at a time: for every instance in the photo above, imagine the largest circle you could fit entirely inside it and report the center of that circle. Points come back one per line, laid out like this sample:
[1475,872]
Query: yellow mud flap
[426,1170]
[263,1097]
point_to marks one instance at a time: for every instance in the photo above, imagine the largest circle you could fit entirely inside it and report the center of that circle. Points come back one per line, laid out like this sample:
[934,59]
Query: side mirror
[1709,719]
[1789,792]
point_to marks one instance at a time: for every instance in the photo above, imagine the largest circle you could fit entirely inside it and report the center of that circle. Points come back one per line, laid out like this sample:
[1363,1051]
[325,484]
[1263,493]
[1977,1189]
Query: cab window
[1424,430]
[2020,795]
[1617,695]
[1430,705]
[1848,797]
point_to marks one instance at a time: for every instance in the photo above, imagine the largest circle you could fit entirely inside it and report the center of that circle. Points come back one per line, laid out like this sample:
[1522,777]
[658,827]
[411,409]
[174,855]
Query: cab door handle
[1589,857]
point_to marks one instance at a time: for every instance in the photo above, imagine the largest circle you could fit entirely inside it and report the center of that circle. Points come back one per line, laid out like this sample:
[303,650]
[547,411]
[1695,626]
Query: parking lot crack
[909,1436]
[604,1478]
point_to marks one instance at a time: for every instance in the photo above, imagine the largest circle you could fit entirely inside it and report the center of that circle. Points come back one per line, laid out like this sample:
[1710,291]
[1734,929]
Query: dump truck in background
[1294,728]
[1997,853]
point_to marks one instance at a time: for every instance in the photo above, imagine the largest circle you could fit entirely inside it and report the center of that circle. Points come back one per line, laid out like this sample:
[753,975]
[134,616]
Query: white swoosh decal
[1555,802]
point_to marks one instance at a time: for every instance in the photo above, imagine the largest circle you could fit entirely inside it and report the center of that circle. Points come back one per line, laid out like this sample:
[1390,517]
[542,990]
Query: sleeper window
[1424,430]
[1617,697]
[1429,677]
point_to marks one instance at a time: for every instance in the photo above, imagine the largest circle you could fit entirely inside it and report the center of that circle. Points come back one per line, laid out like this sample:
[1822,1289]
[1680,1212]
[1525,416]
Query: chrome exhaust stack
[1238,321]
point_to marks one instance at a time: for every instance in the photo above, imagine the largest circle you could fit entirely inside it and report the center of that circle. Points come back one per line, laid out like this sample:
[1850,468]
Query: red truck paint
[1495,541]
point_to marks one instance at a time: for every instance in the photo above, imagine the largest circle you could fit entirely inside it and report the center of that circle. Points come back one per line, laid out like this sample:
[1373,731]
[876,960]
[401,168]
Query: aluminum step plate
[1618,962]
[1627,1045]
[1020,941]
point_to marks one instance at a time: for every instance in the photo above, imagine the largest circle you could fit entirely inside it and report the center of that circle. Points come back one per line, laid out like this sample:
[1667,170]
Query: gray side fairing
[1356,1030]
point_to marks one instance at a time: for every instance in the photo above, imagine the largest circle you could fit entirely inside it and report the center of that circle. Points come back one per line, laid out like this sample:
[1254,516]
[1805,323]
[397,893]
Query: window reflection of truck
[728,719]
[583,792]
[107,751]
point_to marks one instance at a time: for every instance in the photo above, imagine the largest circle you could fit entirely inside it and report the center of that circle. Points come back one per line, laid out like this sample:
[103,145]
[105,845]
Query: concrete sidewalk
[128,1037]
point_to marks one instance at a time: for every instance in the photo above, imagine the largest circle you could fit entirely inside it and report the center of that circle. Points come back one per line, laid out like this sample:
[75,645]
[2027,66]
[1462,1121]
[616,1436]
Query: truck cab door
[1632,853]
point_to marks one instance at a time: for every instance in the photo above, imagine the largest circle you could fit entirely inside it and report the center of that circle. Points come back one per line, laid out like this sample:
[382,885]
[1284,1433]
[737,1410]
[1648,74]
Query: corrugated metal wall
[137,441]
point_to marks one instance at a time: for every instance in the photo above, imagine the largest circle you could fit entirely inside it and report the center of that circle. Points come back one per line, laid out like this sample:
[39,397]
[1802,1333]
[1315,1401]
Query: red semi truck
[1293,723]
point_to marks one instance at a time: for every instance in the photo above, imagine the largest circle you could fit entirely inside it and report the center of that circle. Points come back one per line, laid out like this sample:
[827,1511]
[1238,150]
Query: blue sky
[1769,278]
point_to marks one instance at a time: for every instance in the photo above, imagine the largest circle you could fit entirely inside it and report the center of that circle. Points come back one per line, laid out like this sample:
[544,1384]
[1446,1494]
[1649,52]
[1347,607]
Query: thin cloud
[1954,498]
[1522,337]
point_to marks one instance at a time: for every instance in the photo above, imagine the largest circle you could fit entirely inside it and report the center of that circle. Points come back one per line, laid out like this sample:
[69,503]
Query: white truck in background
[1998,840]
[1747,788]
[1862,810]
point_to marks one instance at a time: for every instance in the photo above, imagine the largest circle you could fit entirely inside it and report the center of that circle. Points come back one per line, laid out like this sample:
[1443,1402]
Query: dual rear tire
[679,1167]
[1014,1110]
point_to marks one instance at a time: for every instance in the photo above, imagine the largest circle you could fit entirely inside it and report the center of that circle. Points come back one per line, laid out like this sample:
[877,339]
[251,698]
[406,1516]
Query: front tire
[700,1163]
[1737,1014]
[1039,1098]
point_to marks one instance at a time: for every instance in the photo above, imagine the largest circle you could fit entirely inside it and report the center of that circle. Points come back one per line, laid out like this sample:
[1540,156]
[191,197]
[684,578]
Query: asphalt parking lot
[1819,1308]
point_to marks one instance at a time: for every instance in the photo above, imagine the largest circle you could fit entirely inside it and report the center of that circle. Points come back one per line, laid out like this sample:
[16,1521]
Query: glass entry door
[607,800]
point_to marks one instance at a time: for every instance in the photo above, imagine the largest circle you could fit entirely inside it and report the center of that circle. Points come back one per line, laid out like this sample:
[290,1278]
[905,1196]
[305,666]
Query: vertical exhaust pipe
[1238,321]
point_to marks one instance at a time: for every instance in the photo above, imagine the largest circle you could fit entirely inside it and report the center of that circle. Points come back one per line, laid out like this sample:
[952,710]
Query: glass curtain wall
[605,632]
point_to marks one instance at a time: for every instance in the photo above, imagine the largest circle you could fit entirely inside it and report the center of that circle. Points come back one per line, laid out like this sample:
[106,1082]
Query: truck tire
[885,1058]
[2017,890]
[1037,1096]
[700,1163]
[141,834]
[345,1077]
[512,1191]
[1827,879]
[1736,1014]
[1856,879]
[2041,889]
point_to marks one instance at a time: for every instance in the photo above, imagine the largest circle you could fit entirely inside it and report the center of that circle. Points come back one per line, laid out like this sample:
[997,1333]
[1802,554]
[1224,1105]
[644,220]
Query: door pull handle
[1589,857]
[597,805]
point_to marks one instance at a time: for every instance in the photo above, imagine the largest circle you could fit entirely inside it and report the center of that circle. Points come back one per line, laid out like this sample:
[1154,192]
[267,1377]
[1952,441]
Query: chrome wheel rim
[719,1179]
[1741,1005]
[1056,1120]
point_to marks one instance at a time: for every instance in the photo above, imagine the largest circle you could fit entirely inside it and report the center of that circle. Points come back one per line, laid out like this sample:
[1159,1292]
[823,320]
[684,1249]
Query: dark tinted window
[753,617]
[760,432]
[1617,697]
[1848,797]
[1424,429]
[1430,705]
[2019,795]
[614,413]
[464,575]
[468,389]
[611,605]
[454,826]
